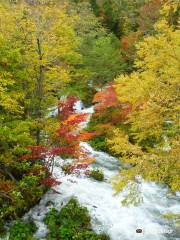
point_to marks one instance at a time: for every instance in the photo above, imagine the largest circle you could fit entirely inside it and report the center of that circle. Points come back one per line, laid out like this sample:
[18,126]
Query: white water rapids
[106,211]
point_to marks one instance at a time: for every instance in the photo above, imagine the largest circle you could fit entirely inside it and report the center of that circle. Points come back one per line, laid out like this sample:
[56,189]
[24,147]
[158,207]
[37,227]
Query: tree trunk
[39,90]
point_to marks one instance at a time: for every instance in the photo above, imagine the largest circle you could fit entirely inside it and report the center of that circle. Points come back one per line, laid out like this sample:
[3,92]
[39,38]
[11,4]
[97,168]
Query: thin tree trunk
[39,90]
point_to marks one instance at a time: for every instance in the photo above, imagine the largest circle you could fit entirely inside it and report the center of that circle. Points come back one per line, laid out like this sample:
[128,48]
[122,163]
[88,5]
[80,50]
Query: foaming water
[107,213]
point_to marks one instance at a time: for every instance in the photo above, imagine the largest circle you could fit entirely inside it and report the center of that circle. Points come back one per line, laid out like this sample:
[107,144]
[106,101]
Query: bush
[22,231]
[99,143]
[20,195]
[89,235]
[72,222]
[75,215]
[66,168]
[97,175]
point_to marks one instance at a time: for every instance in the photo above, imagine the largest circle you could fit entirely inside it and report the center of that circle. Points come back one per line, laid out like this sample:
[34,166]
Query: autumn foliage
[108,105]
[105,98]
[67,140]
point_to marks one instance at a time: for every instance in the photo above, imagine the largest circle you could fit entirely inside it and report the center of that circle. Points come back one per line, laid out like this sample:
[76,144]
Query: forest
[89,119]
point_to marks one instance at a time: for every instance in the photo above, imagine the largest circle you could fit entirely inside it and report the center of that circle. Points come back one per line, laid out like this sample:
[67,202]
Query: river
[107,213]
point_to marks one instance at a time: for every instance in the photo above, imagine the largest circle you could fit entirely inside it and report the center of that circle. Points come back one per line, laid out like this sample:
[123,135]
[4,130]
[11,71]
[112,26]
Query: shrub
[99,143]
[22,231]
[97,175]
[72,222]
[66,168]
[19,197]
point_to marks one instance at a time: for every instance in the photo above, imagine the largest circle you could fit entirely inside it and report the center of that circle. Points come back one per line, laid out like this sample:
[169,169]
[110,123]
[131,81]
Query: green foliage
[101,54]
[15,200]
[120,17]
[104,60]
[72,222]
[95,7]
[99,143]
[22,231]
[97,175]
[81,89]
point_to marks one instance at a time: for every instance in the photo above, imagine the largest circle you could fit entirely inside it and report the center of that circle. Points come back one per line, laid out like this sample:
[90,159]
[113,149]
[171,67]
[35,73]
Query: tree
[45,46]
[101,55]
[153,92]
[120,17]
[38,48]
[104,60]
[148,15]
[65,141]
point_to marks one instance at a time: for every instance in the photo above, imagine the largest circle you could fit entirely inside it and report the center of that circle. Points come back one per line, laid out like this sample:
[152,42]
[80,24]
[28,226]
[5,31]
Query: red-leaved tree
[67,141]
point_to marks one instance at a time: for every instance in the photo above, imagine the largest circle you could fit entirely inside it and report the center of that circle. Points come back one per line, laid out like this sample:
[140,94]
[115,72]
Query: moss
[72,222]
[97,175]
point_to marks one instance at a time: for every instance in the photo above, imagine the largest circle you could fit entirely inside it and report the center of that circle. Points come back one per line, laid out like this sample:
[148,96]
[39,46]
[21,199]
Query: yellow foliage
[120,145]
[9,99]
[153,92]
[40,43]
